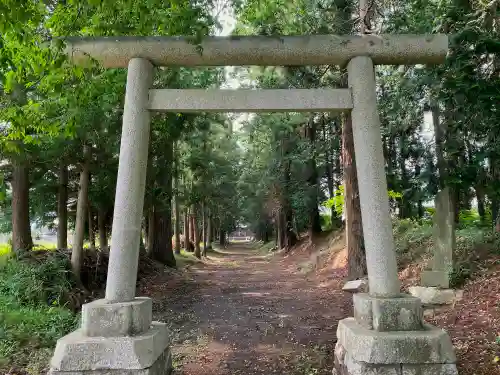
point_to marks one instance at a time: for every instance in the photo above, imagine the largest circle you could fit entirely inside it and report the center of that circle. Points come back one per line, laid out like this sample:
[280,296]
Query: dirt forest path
[241,312]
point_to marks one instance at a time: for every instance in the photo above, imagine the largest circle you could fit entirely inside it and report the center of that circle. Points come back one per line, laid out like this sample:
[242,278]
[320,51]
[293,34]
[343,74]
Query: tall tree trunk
[354,225]
[222,237]
[91,227]
[210,230]
[21,228]
[280,230]
[290,236]
[187,230]
[354,229]
[177,224]
[192,225]
[481,206]
[103,233]
[196,233]
[405,203]
[162,242]
[150,229]
[312,180]
[62,208]
[204,228]
[81,215]
[329,167]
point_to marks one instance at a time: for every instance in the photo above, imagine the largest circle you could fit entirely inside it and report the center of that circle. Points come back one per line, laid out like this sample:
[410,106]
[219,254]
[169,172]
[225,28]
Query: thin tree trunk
[312,180]
[290,236]
[177,227]
[281,230]
[204,228]
[210,231]
[101,225]
[196,234]
[81,215]
[186,230]
[150,232]
[192,226]
[222,237]
[21,229]
[62,208]
[91,228]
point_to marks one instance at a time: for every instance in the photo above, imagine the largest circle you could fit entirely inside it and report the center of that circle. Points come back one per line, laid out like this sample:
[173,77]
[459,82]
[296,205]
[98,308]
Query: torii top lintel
[395,49]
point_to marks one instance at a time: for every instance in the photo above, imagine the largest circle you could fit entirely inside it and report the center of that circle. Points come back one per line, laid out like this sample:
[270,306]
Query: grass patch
[28,333]
[32,312]
[186,259]
[265,248]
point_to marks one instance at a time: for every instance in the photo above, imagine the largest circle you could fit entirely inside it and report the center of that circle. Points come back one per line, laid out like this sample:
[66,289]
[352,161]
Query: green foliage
[28,333]
[337,201]
[326,222]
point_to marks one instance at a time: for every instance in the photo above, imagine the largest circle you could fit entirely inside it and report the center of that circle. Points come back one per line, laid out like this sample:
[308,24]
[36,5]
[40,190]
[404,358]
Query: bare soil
[241,312]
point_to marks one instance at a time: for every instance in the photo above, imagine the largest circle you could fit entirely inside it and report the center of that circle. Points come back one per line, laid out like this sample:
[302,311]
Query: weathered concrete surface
[115,52]
[388,314]
[444,242]
[431,345]
[103,319]
[435,296]
[377,226]
[130,185]
[295,100]
[356,286]
[77,352]
[162,366]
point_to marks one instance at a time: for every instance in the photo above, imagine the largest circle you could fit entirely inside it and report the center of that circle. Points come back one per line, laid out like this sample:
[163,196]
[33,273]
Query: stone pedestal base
[115,339]
[435,296]
[162,366]
[361,351]
[440,279]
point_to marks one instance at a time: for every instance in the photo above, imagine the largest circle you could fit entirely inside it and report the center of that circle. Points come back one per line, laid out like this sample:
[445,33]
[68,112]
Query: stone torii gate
[387,334]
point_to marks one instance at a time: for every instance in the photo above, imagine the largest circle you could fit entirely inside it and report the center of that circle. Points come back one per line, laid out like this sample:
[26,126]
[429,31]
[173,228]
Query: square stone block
[162,366]
[388,314]
[435,296]
[439,279]
[78,352]
[103,319]
[428,346]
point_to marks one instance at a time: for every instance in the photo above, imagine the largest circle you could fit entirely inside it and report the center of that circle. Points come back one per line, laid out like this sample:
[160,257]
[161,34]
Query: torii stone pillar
[117,335]
[387,335]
